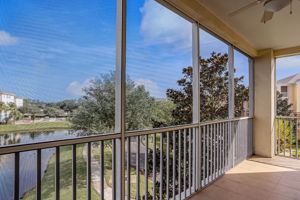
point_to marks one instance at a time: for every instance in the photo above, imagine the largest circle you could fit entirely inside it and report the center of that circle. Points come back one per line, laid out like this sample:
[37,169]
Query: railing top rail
[287,117]
[224,120]
[50,144]
[179,127]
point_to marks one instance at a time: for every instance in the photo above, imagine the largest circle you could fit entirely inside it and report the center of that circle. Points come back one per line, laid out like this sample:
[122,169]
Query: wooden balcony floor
[257,179]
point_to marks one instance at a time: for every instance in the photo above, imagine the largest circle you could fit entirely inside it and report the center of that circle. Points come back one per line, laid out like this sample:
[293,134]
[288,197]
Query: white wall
[7,98]
[19,102]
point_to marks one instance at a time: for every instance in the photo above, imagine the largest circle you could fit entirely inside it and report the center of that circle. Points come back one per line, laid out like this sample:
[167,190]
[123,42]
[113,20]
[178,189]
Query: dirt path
[95,166]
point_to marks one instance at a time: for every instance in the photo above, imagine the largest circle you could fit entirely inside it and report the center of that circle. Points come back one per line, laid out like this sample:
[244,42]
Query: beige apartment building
[289,87]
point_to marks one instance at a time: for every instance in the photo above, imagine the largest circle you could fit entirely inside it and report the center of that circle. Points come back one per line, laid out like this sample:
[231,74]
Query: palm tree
[15,114]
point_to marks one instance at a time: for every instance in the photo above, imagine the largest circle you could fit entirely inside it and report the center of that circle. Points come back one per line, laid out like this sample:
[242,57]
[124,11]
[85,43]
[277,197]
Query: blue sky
[50,50]
[287,66]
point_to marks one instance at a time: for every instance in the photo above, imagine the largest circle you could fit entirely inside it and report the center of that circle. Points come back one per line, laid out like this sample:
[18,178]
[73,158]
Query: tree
[162,113]
[14,114]
[3,106]
[214,103]
[96,112]
[68,105]
[3,109]
[283,107]
[213,91]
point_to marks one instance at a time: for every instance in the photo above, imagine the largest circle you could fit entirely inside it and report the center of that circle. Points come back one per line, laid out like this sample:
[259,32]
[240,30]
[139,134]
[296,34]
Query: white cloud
[150,86]
[6,39]
[76,88]
[160,25]
[292,62]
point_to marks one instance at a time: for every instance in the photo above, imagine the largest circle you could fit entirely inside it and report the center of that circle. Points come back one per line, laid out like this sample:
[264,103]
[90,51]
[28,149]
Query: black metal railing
[164,163]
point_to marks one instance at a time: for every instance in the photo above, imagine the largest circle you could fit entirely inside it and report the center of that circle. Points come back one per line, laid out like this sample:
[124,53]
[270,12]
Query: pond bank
[37,127]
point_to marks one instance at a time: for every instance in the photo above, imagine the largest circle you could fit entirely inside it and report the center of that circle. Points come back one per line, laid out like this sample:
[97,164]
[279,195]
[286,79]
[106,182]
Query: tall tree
[213,91]
[96,112]
[283,106]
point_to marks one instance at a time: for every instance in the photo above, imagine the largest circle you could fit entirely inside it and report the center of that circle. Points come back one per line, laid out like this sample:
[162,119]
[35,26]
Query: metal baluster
[113,169]
[57,173]
[128,167]
[204,155]
[184,162]
[154,166]
[17,176]
[214,152]
[138,168]
[89,171]
[174,165]
[146,168]
[161,166]
[278,136]
[179,164]
[38,174]
[297,138]
[232,144]
[217,140]
[102,169]
[194,160]
[223,147]
[211,154]
[199,169]
[226,146]
[291,135]
[74,172]
[284,142]
[207,152]
[190,162]
[168,163]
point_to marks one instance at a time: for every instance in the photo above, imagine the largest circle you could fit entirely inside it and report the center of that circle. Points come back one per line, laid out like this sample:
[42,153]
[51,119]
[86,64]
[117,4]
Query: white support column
[231,99]
[120,89]
[251,87]
[196,74]
[196,102]
[264,107]
[231,81]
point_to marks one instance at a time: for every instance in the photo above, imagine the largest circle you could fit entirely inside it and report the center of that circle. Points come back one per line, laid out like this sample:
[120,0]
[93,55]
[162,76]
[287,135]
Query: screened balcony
[154,99]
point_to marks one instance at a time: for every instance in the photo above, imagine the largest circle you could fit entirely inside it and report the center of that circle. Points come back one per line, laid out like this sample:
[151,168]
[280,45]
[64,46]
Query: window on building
[283,88]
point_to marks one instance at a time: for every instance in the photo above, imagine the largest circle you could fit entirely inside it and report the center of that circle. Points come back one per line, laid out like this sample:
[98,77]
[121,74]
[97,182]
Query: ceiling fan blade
[268,15]
[245,7]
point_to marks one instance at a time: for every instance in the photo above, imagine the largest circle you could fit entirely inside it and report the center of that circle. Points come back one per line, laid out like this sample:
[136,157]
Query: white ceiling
[282,31]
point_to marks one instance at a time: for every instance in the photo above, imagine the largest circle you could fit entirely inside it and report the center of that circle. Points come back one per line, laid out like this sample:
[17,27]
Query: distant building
[7,98]
[289,87]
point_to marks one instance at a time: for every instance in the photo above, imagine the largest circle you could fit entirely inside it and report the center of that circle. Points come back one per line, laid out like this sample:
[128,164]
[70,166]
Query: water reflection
[27,160]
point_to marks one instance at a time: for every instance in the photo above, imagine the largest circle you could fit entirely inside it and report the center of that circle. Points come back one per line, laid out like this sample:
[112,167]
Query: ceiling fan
[270,7]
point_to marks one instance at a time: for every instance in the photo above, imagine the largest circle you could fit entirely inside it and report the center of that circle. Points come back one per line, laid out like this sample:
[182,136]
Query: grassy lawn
[34,127]
[48,190]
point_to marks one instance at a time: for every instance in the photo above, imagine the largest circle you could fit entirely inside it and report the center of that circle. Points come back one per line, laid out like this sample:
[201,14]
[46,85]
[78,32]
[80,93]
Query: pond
[27,160]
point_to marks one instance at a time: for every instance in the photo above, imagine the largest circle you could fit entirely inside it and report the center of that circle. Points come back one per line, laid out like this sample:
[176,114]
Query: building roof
[8,93]
[289,80]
